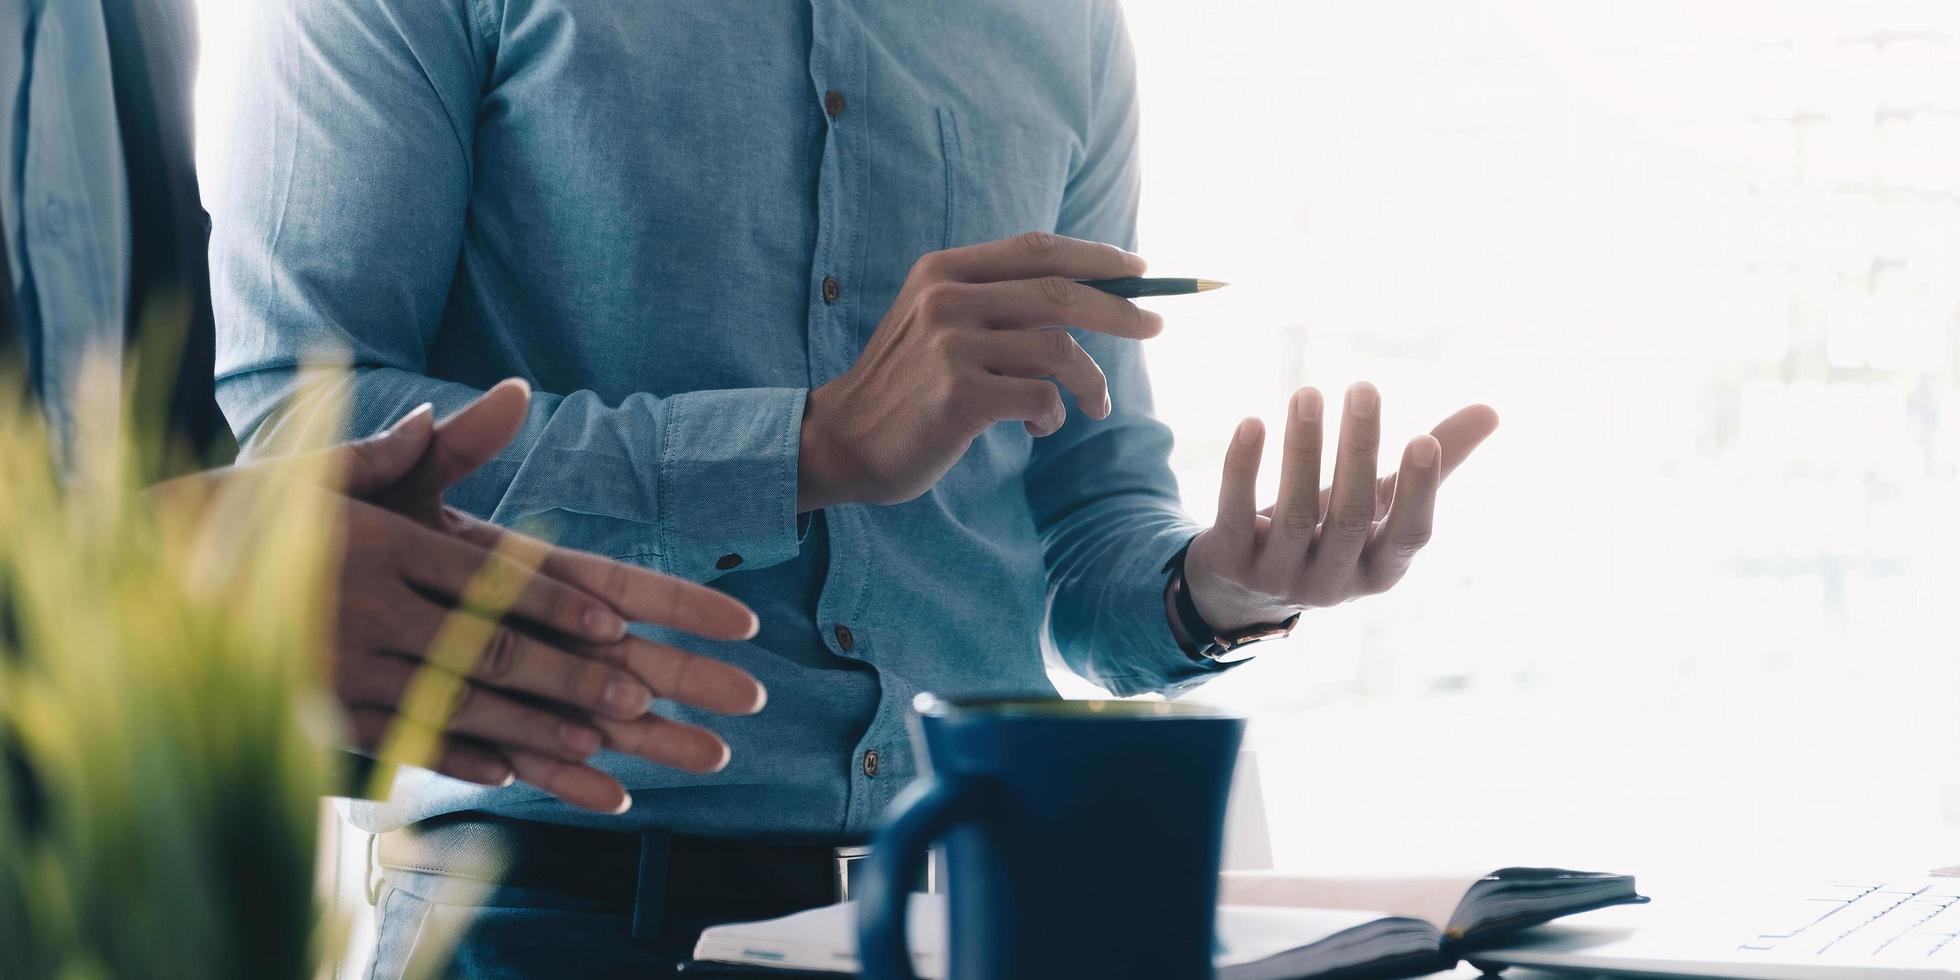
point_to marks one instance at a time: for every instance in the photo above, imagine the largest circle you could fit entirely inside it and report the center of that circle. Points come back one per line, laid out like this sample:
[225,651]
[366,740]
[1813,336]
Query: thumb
[374,463]
[473,436]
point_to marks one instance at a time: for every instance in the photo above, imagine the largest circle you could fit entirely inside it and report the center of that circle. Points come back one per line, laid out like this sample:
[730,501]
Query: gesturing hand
[964,347]
[1318,547]
[560,677]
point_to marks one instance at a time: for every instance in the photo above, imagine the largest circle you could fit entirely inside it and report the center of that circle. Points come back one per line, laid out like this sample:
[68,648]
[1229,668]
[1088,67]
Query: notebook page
[1250,934]
[1433,900]
[825,939]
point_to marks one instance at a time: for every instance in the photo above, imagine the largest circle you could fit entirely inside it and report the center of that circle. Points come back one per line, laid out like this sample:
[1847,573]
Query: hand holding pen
[963,347]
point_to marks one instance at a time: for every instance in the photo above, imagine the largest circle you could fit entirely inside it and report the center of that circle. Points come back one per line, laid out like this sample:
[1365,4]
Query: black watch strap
[1214,646]
[1188,618]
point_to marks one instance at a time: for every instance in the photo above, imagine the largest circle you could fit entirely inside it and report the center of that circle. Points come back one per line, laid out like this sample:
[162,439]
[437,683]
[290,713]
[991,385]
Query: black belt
[651,874]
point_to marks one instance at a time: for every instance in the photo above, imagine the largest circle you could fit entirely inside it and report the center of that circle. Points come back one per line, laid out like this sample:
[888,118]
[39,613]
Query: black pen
[1136,287]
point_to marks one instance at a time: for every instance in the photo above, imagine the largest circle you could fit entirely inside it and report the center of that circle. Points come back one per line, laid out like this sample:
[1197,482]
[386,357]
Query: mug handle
[922,814]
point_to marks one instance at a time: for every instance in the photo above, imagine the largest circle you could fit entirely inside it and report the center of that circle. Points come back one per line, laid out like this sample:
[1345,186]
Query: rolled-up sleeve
[336,233]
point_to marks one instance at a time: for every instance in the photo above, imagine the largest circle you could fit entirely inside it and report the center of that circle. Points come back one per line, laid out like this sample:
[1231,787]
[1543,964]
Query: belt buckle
[845,862]
[848,862]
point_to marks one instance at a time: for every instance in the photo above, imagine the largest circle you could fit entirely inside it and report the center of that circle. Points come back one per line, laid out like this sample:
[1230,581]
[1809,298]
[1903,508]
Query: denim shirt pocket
[1002,177]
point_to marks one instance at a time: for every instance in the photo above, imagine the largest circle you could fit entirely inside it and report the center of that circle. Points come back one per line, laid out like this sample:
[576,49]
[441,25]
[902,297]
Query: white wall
[1694,602]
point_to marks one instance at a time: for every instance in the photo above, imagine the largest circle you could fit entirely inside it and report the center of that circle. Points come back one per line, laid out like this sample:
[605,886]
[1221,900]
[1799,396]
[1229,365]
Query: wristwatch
[1222,647]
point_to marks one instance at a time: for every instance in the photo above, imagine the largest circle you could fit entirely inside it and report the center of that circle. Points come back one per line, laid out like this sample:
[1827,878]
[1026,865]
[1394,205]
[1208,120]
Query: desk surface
[1466,971]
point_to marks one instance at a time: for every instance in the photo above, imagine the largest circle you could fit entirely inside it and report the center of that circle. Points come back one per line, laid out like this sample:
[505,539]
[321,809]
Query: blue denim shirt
[64,204]
[635,206]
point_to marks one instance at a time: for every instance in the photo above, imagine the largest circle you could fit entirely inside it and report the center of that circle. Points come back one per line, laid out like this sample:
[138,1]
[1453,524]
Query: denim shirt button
[845,641]
[871,762]
[830,289]
[728,561]
[54,218]
[833,103]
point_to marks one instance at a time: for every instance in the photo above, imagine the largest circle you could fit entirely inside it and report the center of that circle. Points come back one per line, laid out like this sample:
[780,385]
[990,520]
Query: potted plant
[163,729]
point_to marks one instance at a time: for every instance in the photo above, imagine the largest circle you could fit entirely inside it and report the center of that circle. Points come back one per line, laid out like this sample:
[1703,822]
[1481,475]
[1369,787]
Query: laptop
[1881,927]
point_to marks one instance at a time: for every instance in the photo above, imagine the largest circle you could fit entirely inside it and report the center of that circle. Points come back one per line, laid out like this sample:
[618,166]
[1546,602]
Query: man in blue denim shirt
[759,262]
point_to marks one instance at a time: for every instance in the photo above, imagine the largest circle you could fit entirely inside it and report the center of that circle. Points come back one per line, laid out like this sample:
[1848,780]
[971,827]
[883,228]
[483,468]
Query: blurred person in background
[104,239]
[780,274]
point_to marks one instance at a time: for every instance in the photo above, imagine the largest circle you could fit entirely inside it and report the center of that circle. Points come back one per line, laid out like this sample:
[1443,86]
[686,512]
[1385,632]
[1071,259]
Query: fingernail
[1362,400]
[1422,452]
[626,696]
[582,740]
[1108,406]
[761,699]
[755,626]
[604,625]
[624,805]
[426,408]
[1248,433]
[1306,405]
[725,756]
[509,779]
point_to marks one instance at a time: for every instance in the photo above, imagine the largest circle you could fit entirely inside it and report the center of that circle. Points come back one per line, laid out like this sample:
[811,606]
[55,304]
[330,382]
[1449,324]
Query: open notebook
[1270,926]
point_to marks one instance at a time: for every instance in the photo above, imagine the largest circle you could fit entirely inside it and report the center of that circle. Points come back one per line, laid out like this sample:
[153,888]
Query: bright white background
[1694,603]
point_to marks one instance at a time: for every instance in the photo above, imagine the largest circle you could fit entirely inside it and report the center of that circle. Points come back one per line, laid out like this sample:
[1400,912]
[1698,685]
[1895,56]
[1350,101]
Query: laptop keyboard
[1904,922]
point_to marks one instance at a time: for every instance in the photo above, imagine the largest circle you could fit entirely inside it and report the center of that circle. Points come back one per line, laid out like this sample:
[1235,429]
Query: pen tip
[1207,285]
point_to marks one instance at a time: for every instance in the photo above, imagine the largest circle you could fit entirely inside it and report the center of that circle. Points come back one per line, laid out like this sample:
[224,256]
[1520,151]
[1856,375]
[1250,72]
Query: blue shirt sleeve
[336,234]
[1102,492]
[66,205]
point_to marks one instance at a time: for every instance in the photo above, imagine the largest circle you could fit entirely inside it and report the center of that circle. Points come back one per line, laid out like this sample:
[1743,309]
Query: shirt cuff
[1155,661]
[727,487]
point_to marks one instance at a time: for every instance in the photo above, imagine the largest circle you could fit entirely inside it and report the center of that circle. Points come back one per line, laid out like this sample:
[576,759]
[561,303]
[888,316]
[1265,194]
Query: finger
[447,565]
[1351,509]
[1238,486]
[1047,354]
[580,785]
[367,465]
[510,661]
[1051,301]
[516,661]
[677,675]
[1298,510]
[669,743]
[1384,493]
[1035,404]
[1410,517]
[467,440]
[639,594]
[1458,435]
[1462,433]
[477,711]
[457,758]
[1034,254]
[487,715]
[478,432]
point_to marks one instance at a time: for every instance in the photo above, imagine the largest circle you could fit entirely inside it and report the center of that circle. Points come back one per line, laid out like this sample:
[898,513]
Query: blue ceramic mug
[1082,839]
